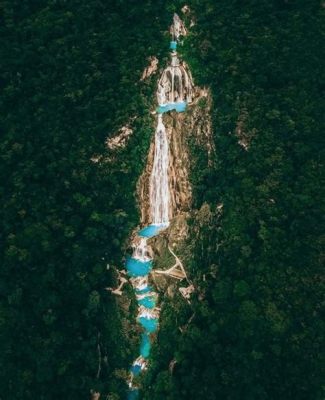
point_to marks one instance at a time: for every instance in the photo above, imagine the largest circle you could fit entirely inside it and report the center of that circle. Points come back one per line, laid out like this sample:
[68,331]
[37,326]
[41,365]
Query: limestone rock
[177,29]
[150,69]
[120,138]
[181,127]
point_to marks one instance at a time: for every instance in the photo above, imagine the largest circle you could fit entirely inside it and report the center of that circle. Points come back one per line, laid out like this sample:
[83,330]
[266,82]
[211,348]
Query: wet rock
[194,124]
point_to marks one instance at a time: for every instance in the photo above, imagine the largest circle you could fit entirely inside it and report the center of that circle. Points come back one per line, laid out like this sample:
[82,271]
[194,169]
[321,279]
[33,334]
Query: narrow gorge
[165,194]
[174,93]
[161,232]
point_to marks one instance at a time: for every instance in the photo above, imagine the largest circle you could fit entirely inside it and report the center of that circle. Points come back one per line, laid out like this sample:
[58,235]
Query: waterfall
[174,91]
[141,250]
[159,188]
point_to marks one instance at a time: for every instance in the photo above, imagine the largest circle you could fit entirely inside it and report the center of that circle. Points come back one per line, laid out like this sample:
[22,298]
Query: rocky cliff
[182,128]
[186,131]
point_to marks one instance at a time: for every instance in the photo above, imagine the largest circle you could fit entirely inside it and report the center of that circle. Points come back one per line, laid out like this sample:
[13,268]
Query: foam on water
[148,302]
[144,290]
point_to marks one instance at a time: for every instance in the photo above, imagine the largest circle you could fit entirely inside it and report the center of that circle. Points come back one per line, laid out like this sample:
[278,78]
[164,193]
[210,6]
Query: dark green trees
[70,78]
[257,331]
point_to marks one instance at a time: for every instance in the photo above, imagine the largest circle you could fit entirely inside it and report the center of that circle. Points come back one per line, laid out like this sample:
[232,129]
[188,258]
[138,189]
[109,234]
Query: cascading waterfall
[141,250]
[159,188]
[174,91]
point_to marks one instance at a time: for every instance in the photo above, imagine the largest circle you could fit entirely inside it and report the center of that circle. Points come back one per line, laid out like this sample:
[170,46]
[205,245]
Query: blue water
[133,394]
[136,267]
[145,290]
[179,107]
[148,302]
[151,230]
[136,369]
[145,345]
[150,325]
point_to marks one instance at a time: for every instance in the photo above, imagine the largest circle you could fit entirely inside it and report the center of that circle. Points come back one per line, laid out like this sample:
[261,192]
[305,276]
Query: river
[174,92]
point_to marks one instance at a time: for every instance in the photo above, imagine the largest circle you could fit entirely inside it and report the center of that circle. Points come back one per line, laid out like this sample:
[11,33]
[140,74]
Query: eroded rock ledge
[195,124]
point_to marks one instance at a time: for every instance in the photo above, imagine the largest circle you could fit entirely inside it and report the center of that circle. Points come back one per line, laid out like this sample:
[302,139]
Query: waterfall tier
[159,188]
[175,90]
[175,84]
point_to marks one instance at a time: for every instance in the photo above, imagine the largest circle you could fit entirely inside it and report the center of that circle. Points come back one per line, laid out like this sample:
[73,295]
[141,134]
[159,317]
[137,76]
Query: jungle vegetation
[255,329]
[70,77]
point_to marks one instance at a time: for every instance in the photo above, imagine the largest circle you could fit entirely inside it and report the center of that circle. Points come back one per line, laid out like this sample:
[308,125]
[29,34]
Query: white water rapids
[174,92]
[141,250]
[159,188]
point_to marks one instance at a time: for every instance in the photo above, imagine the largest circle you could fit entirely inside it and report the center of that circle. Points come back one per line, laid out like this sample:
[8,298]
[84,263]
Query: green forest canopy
[70,78]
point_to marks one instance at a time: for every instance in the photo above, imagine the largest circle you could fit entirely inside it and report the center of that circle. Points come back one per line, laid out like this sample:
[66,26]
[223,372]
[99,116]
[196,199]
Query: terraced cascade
[174,93]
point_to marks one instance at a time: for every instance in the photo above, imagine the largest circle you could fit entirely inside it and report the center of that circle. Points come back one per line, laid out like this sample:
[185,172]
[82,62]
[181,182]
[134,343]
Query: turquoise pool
[148,302]
[133,394]
[136,267]
[145,345]
[179,107]
[150,325]
[136,369]
[151,230]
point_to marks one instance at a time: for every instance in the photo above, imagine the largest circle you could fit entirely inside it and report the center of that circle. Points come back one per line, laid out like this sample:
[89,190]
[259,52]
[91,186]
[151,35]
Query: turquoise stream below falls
[151,230]
[173,93]
[146,298]
[138,267]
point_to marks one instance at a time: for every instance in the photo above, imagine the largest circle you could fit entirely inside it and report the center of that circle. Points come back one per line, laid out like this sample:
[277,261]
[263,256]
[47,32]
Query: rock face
[194,124]
[177,29]
[184,123]
[176,83]
[119,139]
[180,189]
[201,123]
[151,68]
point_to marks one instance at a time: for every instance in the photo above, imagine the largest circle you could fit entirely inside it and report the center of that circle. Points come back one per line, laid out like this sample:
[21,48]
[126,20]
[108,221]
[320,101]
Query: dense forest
[256,330]
[70,78]
[68,75]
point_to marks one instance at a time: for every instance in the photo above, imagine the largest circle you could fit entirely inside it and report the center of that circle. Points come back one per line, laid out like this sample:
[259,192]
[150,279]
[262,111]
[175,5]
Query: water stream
[159,188]
[173,93]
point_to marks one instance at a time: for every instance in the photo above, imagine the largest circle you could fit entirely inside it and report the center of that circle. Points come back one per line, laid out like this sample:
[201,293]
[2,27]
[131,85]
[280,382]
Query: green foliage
[70,76]
[257,331]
